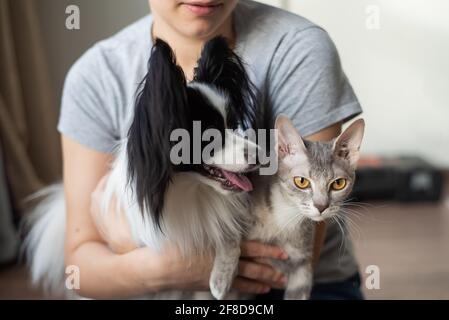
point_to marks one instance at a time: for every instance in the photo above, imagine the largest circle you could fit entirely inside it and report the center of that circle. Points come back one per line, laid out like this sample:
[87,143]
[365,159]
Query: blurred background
[395,53]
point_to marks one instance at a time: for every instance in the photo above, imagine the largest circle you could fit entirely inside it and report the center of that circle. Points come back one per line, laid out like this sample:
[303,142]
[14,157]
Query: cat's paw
[298,294]
[220,284]
[224,271]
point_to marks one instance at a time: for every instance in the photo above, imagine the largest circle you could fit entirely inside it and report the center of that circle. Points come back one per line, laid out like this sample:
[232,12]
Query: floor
[408,243]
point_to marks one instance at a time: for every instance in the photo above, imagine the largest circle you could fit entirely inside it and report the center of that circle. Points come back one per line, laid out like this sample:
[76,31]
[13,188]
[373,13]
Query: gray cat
[313,180]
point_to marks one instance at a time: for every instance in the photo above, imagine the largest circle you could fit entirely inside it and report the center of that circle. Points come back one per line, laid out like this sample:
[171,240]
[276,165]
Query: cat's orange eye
[338,184]
[301,182]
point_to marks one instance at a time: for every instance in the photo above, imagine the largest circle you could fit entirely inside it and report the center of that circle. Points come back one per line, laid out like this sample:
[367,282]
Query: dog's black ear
[160,107]
[220,66]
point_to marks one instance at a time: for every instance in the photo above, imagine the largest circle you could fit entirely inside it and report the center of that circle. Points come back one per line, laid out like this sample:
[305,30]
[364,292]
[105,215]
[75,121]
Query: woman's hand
[255,274]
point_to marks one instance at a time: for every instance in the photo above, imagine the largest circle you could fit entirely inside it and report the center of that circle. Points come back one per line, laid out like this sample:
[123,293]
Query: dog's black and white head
[220,97]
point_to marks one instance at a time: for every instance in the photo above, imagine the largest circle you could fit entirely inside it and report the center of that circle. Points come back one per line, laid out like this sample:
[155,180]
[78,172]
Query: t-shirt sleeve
[307,83]
[85,110]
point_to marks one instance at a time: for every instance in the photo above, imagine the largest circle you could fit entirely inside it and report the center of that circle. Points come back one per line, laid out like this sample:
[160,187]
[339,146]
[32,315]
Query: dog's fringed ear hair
[221,67]
[161,106]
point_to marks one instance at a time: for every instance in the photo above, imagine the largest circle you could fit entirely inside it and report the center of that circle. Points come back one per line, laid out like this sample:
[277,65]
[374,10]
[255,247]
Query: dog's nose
[321,207]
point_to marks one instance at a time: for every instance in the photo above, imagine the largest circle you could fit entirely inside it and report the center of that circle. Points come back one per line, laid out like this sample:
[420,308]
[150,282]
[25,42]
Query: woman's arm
[102,273]
[324,135]
[105,274]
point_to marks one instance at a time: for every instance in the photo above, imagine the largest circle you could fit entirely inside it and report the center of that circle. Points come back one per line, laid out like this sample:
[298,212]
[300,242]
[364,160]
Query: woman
[295,66]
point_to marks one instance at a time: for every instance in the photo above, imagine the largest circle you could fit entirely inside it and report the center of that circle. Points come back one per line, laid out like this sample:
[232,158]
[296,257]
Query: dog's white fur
[197,216]
[44,244]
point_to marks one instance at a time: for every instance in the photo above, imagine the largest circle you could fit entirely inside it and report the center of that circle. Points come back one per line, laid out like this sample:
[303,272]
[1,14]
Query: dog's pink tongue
[239,180]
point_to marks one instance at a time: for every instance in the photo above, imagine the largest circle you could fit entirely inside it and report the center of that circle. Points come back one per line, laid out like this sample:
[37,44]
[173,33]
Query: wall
[99,19]
[399,71]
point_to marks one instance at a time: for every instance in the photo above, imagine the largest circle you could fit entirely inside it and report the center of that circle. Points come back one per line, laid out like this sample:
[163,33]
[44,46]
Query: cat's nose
[321,207]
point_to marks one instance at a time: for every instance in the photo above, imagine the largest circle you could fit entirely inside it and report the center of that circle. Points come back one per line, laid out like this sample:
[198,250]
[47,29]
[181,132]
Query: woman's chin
[200,30]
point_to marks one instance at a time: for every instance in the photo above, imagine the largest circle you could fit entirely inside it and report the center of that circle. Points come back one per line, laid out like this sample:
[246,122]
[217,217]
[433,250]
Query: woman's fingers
[262,261]
[257,268]
[261,273]
[249,286]
[253,249]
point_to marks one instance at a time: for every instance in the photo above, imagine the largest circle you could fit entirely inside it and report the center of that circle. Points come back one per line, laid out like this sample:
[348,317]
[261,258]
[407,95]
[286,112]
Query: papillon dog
[197,205]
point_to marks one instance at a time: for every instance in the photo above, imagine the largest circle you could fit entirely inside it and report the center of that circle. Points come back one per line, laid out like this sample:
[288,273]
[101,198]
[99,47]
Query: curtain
[28,108]
[9,240]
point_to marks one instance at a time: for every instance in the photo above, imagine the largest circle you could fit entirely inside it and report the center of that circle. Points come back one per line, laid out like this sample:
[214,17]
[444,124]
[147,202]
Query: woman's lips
[202,9]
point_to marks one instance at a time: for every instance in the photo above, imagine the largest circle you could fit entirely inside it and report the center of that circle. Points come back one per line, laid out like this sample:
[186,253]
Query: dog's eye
[338,184]
[301,182]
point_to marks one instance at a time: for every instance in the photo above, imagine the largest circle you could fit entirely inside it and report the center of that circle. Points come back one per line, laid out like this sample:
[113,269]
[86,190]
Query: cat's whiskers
[295,214]
[289,222]
[343,239]
[354,209]
[365,207]
[294,219]
[355,204]
[362,205]
[354,228]
[367,204]
[353,212]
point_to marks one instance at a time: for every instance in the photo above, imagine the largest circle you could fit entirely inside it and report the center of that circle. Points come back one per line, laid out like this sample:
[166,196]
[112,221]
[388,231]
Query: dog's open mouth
[232,181]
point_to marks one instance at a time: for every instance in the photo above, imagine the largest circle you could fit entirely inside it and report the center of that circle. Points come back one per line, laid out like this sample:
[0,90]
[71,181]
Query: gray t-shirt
[293,63]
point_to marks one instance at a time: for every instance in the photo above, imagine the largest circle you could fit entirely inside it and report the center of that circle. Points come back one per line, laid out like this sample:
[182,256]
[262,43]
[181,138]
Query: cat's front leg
[224,269]
[299,283]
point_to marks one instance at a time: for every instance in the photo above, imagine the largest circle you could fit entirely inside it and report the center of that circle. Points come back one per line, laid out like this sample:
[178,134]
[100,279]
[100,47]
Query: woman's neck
[188,49]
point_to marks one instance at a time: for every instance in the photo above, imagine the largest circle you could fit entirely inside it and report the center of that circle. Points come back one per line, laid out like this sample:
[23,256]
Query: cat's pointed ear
[347,145]
[288,140]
